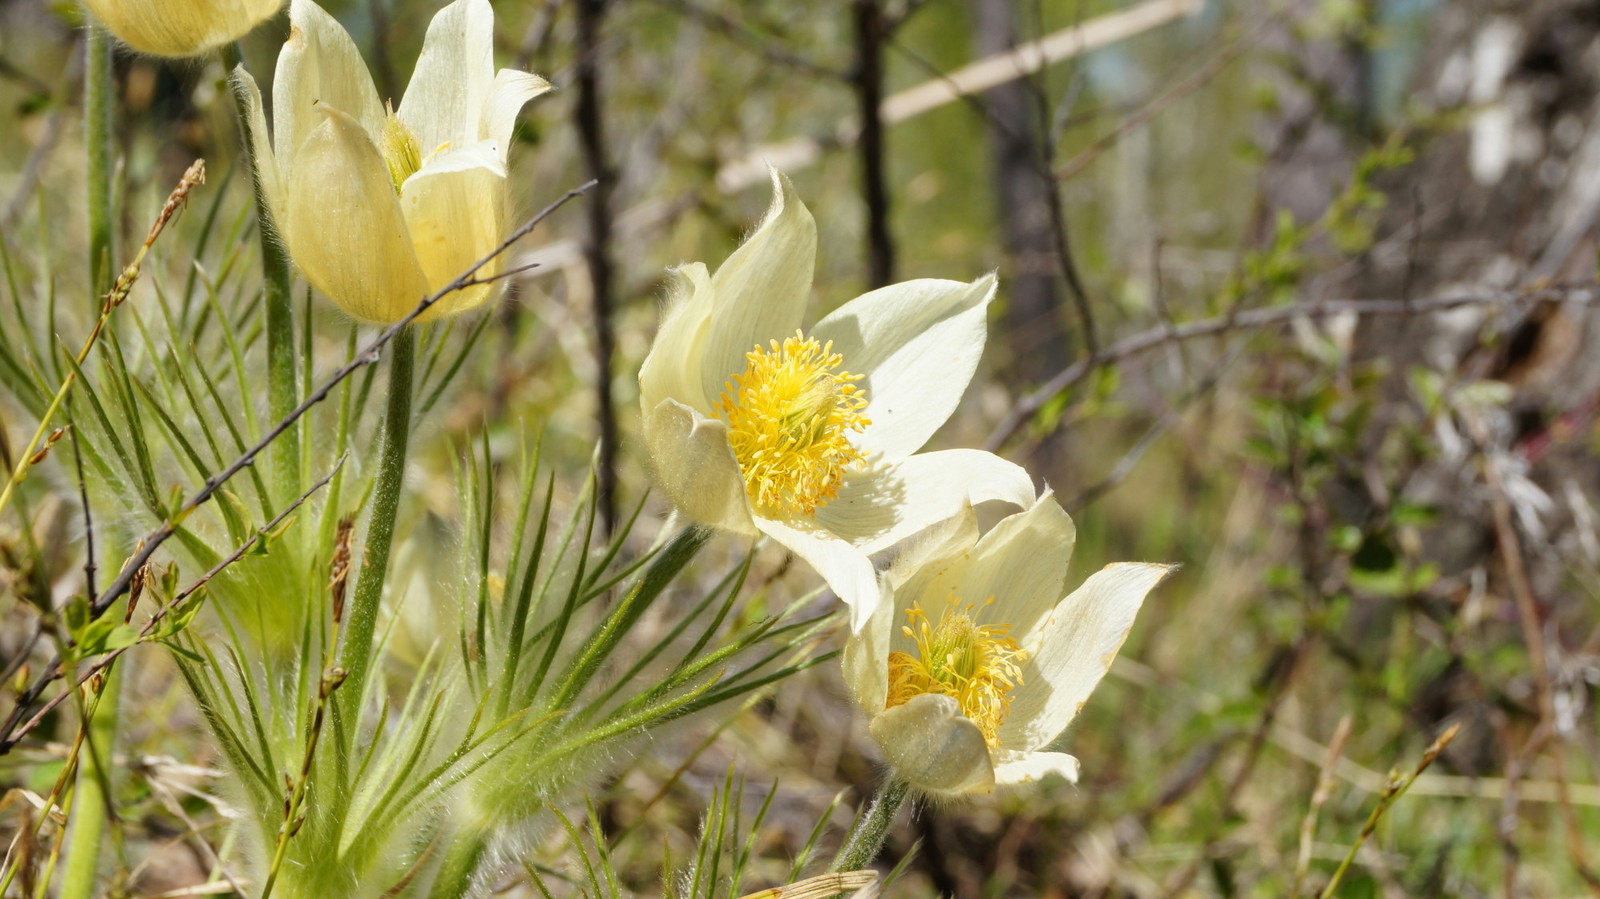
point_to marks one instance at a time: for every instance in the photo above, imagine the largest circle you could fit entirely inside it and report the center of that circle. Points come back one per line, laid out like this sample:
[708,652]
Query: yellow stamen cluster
[789,418]
[400,150]
[976,664]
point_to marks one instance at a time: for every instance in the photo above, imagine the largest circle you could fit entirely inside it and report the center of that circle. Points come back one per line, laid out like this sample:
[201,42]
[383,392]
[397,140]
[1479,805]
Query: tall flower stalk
[283,392]
[355,648]
[90,797]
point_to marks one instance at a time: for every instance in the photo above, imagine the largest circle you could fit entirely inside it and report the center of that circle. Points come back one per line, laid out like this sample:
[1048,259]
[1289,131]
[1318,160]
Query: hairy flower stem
[88,812]
[90,799]
[294,802]
[460,863]
[98,95]
[283,391]
[361,618]
[866,836]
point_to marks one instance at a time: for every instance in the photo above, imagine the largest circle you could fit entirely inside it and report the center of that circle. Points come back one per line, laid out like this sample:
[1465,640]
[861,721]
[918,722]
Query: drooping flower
[380,206]
[988,664]
[755,425]
[178,28]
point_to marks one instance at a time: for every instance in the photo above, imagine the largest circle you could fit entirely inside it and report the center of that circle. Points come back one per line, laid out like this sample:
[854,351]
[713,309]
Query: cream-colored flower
[973,662]
[180,27]
[379,206]
[755,426]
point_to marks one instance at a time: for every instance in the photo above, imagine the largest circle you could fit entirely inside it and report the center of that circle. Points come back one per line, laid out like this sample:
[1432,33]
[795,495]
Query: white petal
[916,344]
[881,505]
[455,212]
[672,369]
[696,468]
[511,89]
[449,90]
[344,227]
[1072,649]
[1028,767]
[761,289]
[928,743]
[267,174]
[1022,563]
[319,66]
[866,652]
[847,570]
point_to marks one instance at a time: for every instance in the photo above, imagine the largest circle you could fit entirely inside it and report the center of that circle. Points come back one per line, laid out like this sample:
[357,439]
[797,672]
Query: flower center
[976,664]
[400,150]
[789,418]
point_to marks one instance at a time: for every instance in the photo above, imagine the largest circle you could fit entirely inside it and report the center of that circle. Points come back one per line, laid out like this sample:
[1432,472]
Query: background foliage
[1385,518]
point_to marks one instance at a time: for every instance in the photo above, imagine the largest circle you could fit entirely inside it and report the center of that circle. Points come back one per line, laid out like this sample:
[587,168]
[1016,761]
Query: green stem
[98,95]
[866,837]
[361,618]
[283,389]
[461,862]
[90,799]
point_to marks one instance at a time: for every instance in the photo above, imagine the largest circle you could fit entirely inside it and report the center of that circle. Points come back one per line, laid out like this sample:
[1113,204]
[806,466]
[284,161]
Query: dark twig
[501,276]
[89,568]
[1029,405]
[155,538]
[867,77]
[770,49]
[54,671]
[591,132]
[1201,77]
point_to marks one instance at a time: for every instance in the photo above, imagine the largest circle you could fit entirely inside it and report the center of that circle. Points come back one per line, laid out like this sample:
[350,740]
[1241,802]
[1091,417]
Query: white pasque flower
[989,664]
[755,426]
[378,206]
[179,28]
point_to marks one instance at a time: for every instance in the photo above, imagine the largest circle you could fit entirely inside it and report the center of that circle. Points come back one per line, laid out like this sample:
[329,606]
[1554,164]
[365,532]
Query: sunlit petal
[1072,649]
[1016,768]
[760,291]
[917,343]
[454,211]
[319,67]
[450,87]
[344,227]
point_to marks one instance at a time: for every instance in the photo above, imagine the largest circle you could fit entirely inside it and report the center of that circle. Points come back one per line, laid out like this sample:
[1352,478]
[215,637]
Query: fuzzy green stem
[865,840]
[283,389]
[90,800]
[98,95]
[361,618]
[461,862]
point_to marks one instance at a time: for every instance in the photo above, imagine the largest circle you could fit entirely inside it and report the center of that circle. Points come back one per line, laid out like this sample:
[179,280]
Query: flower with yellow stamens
[969,701]
[179,28]
[379,206]
[810,436]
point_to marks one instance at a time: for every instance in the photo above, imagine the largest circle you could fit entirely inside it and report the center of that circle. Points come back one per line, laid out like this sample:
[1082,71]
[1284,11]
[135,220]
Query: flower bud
[180,27]
[381,206]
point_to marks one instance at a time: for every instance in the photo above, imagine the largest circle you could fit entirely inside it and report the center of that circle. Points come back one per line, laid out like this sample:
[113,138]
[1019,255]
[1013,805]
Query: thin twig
[54,671]
[9,734]
[867,78]
[1533,638]
[1176,92]
[597,249]
[1030,404]
[1392,791]
[196,174]
[1324,790]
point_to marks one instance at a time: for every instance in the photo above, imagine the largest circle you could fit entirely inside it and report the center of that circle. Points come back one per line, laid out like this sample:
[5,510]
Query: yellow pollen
[400,150]
[789,418]
[976,664]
